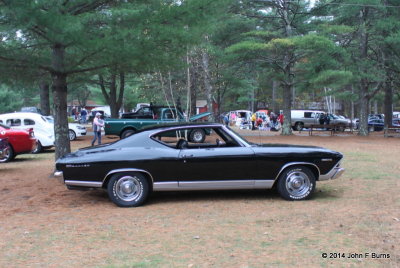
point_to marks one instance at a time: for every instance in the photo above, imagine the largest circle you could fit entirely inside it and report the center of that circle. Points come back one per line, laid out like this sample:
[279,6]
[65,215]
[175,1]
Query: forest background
[280,54]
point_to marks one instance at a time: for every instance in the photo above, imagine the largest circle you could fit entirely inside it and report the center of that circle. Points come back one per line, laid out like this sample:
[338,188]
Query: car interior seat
[182,144]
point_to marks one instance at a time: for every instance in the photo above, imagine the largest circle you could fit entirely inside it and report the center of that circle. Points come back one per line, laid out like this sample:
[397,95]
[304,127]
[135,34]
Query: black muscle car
[162,158]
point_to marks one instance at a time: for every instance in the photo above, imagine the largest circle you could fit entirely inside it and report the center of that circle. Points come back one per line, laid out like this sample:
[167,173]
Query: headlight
[80,127]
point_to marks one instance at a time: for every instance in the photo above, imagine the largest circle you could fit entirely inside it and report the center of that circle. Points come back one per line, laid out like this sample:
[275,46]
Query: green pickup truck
[125,127]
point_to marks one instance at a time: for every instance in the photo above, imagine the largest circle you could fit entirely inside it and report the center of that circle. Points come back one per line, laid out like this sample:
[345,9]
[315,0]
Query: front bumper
[81,133]
[334,173]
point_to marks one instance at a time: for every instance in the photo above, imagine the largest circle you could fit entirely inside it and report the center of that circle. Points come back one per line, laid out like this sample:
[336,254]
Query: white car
[74,129]
[42,126]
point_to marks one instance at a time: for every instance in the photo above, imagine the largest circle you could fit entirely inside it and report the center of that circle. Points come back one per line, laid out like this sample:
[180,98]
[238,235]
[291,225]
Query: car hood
[199,116]
[87,152]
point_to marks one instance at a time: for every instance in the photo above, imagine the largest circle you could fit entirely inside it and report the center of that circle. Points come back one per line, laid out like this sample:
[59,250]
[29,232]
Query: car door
[217,164]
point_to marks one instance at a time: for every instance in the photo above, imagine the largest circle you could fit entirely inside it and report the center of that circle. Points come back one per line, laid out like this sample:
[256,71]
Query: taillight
[31,133]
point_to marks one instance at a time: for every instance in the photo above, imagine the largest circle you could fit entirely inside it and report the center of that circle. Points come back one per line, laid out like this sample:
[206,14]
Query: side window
[13,122]
[213,138]
[168,115]
[29,122]
[309,114]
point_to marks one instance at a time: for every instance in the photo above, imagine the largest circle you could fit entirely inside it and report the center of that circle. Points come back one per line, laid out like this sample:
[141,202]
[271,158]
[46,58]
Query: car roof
[21,114]
[179,125]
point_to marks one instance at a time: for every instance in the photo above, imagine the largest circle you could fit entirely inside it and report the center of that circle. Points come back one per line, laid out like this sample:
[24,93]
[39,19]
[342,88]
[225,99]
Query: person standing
[281,117]
[98,123]
[226,120]
[83,116]
[253,121]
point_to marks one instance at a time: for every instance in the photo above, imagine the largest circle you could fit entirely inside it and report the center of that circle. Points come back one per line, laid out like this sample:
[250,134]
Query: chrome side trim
[212,185]
[298,163]
[165,186]
[94,184]
[127,170]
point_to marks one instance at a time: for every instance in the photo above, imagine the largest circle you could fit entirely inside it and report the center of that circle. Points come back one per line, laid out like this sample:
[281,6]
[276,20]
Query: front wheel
[128,189]
[71,134]
[296,183]
[8,154]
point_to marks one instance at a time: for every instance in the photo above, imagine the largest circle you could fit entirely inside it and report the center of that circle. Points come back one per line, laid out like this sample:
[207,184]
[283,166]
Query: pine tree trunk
[388,102]
[207,84]
[288,87]
[287,102]
[114,101]
[44,97]
[364,103]
[274,90]
[364,100]
[59,88]
[193,92]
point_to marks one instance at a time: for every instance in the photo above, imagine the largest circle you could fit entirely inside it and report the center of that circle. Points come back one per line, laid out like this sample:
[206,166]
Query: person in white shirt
[98,123]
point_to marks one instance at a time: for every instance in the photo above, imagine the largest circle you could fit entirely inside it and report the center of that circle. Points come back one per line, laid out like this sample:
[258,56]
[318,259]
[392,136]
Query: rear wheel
[38,148]
[341,128]
[197,136]
[296,183]
[126,133]
[128,189]
[299,126]
[8,154]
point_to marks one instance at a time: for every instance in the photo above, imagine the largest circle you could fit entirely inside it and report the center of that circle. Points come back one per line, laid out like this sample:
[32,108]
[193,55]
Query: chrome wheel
[128,188]
[197,136]
[7,154]
[298,184]
[37,148]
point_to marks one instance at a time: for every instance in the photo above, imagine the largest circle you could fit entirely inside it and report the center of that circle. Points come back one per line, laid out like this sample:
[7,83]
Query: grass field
[355,220]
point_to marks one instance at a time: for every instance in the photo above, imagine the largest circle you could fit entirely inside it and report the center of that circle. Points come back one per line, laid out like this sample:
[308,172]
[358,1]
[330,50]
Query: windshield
[49,119]
[239,136]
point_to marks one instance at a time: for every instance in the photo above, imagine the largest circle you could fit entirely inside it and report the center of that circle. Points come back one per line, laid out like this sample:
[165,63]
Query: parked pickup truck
[153,115]
[305,118]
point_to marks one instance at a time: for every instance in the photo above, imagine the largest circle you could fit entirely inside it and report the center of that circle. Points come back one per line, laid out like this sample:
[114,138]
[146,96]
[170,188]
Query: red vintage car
[20,141]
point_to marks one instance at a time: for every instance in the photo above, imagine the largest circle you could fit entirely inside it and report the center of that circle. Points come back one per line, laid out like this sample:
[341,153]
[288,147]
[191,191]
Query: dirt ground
[355,220]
